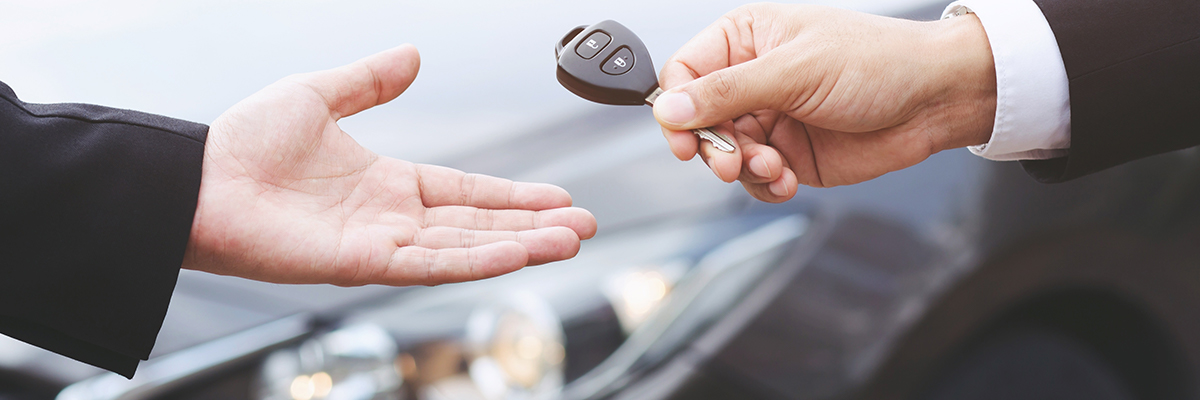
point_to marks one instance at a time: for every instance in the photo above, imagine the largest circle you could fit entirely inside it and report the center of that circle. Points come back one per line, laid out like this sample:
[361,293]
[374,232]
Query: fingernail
[778,188]
[759,167]
[676,108]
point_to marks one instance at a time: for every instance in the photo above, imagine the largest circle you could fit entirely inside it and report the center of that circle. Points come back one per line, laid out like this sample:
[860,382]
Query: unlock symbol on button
[591,43]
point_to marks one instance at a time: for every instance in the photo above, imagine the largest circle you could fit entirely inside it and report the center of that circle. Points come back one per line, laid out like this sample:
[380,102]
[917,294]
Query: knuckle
[432,268]
[512,194]
[724,86]
[745,15]
[430,217]
[481,217]
[466,238]
[721,87]
[745,10]
[471,265]
[296,78]
[468,188]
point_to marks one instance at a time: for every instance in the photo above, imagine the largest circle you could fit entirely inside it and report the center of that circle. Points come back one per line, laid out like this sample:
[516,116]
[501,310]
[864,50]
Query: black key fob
[606,63]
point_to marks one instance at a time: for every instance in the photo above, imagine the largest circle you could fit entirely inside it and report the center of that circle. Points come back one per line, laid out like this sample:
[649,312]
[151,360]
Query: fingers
[724,71]
[366,83]
[761,168]
[777,191]
[765,173]
[543,245]
[444,255]
[728,41]
[723,95]
[441,186]
[726,166]
[760,163]
[721,75]
[749,162]
[684,144]
[469,244]
[577,219]
[411,265]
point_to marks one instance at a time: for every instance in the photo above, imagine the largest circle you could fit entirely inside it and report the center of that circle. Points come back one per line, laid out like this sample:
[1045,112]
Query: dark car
[959,278]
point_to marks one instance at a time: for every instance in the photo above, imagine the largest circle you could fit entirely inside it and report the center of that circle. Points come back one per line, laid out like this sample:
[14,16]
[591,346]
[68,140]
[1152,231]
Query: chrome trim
[163,374]
[668,378]
[765,239]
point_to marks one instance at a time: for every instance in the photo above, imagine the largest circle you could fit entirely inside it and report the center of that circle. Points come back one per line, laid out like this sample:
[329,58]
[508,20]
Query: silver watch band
[957,11]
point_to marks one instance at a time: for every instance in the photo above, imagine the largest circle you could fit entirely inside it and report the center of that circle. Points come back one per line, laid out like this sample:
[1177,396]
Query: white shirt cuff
[1033,104]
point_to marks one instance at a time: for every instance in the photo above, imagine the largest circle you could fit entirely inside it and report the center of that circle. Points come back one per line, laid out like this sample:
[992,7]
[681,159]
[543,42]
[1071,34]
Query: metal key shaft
[719,141]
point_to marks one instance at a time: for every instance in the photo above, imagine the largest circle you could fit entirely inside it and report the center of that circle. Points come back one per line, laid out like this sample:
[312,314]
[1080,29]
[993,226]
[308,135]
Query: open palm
[287,196]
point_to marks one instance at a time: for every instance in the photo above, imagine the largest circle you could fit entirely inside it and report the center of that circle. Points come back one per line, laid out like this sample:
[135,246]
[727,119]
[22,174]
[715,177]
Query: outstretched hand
[287,196]
[825,97]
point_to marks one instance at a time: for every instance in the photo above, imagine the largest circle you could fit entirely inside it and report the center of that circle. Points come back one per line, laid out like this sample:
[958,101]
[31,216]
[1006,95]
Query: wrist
[967,73]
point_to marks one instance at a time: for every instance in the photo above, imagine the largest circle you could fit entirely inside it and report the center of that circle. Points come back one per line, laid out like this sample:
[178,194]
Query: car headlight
[527,334]
[515,348]
[355,362]
[637,292]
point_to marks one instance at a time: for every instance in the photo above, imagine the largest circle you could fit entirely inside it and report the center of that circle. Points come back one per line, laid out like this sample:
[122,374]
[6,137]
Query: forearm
[96,205]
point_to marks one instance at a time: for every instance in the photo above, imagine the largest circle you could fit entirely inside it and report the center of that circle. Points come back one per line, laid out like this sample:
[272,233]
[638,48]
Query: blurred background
[958,278]
[487,67]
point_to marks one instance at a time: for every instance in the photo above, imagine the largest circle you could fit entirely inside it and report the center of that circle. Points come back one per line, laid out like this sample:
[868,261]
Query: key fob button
[620,72]
[591,45]
[620,62]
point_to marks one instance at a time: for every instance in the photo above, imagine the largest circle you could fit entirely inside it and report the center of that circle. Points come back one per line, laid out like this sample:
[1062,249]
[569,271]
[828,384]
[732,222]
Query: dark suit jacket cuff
[1132,68]
[96,207]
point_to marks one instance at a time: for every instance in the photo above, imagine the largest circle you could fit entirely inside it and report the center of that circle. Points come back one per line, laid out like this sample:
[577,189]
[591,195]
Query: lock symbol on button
[620,62]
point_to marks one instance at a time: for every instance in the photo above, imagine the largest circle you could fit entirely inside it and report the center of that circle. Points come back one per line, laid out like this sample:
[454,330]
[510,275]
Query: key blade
[719,141]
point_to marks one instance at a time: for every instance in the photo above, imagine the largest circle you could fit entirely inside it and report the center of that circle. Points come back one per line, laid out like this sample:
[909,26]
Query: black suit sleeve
[96,206]
[1134,73]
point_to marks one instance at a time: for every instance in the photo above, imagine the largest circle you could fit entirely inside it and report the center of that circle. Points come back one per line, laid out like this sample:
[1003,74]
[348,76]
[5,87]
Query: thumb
[720,96]
[365,83]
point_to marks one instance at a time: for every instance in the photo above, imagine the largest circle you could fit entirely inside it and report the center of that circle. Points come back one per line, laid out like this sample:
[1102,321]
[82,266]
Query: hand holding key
[826,97]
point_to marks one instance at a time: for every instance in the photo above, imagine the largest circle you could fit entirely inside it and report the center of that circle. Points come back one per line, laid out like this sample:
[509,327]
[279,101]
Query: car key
[608,64]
